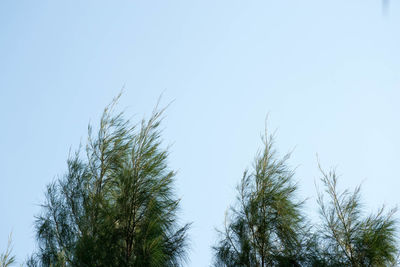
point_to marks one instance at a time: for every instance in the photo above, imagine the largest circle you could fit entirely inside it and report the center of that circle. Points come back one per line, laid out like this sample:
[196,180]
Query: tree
[349,238]
[5,258]
[266,227]
[115,207]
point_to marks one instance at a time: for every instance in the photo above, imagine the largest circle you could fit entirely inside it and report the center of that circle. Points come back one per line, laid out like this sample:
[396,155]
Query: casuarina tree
[349,236]
[116,205]
[265,227]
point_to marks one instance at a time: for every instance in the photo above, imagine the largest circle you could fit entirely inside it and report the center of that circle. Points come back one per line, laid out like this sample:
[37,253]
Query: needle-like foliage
[266,227]
[117,206]
[6,259]
[348,237]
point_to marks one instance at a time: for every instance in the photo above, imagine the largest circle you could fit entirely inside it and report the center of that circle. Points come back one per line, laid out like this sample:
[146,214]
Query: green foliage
[348,237]
[266,227]
[5,258]
[117,207]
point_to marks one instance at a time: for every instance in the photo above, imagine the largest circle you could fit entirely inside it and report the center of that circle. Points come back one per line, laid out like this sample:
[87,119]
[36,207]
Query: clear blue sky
[328,73]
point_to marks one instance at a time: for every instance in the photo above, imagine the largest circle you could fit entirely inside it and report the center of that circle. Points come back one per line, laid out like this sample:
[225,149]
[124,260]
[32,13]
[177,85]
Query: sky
[325,72]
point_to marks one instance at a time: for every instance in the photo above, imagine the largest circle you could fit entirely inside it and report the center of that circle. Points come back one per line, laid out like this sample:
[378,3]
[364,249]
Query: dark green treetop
[116,205]
[266,227]
[349,237]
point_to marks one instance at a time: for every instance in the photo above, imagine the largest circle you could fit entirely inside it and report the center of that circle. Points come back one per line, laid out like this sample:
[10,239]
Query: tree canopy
[348,236]
[267,226]
[116,205]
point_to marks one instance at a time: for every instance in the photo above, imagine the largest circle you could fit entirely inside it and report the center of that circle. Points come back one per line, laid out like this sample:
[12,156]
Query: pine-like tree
[115,207]
[266,227]
[347,236]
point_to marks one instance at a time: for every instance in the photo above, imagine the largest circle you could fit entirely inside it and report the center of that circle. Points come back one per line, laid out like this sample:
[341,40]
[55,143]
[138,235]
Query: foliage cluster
[267,226]
[116,206]
[6,259]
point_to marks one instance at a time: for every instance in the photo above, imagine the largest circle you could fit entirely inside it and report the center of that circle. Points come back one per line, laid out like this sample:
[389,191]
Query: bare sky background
[327,72]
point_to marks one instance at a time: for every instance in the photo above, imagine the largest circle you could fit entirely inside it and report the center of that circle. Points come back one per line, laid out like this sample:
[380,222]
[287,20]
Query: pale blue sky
[327,72]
